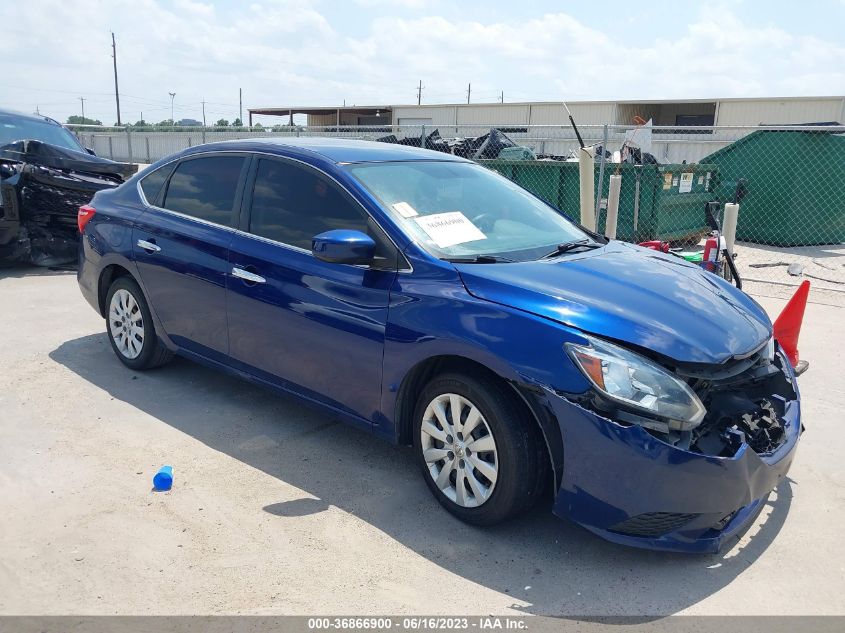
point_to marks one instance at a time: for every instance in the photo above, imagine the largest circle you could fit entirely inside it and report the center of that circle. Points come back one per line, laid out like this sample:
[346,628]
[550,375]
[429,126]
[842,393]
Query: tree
[222,123]
[258,126]
[165,123]
[237,123]
[75,119]
[140,123]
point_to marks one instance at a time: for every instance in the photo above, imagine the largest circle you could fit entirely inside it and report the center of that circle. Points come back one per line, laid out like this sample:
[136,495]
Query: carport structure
[333,115]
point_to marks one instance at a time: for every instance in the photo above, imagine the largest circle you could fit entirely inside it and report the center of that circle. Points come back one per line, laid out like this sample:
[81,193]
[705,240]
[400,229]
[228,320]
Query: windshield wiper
[480,259]
[560,249]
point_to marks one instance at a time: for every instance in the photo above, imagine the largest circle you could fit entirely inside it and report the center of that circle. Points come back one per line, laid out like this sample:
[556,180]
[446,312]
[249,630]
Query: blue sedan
[432,302]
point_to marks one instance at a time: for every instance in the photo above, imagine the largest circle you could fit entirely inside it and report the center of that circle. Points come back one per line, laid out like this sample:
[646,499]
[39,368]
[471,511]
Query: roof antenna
[574,127]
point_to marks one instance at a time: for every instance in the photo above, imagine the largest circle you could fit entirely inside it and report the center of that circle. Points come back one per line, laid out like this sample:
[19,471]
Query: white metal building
[722,112]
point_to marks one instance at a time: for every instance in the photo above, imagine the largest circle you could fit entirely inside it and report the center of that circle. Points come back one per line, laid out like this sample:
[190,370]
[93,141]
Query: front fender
[431,314]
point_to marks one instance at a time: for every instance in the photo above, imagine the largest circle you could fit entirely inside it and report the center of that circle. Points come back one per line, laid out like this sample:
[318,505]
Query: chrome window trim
[260,238]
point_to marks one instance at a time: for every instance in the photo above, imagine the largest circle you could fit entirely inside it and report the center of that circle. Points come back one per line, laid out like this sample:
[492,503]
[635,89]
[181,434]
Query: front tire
[130,327]
[479,450]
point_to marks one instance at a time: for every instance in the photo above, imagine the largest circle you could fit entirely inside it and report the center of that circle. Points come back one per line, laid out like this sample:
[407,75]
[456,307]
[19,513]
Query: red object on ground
[656,245]
[787,326]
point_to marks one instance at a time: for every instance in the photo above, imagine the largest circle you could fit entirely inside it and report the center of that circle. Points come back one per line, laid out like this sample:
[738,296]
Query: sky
[373,52]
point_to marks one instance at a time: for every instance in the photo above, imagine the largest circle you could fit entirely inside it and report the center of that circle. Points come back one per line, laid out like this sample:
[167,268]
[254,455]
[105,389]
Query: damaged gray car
[45,176]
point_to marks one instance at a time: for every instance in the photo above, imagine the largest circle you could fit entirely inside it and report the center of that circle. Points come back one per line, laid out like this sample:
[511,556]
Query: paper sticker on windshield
[405,210]
[448,229]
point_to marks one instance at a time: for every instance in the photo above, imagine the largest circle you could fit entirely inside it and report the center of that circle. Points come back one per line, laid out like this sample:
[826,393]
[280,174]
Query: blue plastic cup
[163,479]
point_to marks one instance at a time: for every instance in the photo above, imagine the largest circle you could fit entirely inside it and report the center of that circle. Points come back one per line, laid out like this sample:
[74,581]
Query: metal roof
[320,110]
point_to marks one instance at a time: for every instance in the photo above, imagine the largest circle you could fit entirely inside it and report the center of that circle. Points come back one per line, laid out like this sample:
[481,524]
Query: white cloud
[410,4]
[284,52]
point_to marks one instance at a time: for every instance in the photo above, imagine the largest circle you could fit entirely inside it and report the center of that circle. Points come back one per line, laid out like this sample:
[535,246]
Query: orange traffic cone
[787,326]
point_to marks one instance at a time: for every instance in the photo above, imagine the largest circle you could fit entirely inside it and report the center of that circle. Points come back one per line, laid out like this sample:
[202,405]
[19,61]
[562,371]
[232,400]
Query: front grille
[652,524]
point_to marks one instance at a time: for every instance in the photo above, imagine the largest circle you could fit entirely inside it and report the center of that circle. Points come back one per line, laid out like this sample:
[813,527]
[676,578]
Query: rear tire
[130,328]
[488,466]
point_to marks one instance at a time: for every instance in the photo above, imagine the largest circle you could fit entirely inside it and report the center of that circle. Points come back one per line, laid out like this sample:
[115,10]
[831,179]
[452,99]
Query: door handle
[149,246]
[240,273]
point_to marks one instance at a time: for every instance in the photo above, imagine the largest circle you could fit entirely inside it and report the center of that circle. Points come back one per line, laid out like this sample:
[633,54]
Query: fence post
[111,149]
[203,136]
[601,176]
[129,143]
[422,136]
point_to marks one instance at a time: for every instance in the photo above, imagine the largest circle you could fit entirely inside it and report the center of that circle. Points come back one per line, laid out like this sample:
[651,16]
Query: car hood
[638,296]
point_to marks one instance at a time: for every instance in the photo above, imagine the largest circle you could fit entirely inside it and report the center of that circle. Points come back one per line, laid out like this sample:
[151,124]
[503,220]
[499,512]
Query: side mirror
[343,246]
[90,151]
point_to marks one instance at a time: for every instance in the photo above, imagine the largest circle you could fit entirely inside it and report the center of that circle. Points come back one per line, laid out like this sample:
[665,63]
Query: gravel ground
[279,509]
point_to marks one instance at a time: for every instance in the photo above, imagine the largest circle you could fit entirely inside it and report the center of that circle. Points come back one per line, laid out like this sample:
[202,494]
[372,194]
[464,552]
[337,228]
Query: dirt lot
[277,508]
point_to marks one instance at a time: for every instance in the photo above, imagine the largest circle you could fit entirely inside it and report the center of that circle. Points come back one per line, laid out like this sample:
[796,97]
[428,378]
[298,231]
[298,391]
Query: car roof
[31,117]
[336,150]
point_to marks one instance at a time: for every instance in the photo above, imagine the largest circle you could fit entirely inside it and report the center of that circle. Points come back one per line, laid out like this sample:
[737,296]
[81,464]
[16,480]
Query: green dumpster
[796,186]
[671,197]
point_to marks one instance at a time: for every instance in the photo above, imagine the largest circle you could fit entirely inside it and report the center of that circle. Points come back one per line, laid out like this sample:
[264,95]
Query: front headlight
[638,383]
[770,349]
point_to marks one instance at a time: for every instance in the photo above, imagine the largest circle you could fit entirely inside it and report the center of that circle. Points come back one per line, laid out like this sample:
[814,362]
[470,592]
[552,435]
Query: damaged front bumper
[630,486]
[41,189]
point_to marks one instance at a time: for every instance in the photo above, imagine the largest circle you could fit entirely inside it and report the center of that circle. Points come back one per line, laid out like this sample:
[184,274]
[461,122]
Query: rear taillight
[86,212]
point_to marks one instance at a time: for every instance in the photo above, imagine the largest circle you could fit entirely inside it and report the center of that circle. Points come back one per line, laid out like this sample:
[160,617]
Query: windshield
[462,210]
[14,128]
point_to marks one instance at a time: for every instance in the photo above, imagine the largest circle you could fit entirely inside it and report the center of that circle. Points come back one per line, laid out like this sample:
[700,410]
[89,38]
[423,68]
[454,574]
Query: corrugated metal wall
[584,113]
[508,114]
[439,115]
[346,118]
[728,112]
[774,112]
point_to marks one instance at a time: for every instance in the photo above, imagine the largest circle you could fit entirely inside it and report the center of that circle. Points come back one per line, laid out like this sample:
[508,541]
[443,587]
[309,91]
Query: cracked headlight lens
[638,383]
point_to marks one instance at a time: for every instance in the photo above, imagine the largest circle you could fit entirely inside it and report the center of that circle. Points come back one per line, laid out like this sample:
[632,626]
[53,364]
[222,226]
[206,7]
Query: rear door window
[206,188]
[152,183]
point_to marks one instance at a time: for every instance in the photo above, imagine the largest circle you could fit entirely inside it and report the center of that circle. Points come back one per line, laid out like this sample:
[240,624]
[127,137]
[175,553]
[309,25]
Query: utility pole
[82,101]
[502,98]
[241,105]
[116,92]
[203,113]
[469,91]
[172,120]
[419,93]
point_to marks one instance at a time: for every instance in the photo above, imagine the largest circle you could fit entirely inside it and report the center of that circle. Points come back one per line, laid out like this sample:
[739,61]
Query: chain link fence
[789,182]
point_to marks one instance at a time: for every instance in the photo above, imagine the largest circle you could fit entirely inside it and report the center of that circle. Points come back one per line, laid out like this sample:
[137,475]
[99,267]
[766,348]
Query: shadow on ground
[555,566]
[17,271]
